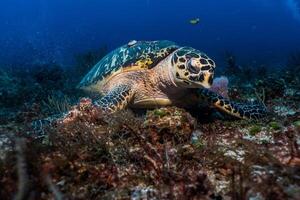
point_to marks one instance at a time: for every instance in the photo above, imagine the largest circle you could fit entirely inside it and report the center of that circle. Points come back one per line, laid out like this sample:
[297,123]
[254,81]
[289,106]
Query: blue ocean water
[177,140]
[262,31]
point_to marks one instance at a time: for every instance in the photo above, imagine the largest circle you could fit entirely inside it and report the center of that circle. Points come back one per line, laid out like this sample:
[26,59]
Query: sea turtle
[148,74]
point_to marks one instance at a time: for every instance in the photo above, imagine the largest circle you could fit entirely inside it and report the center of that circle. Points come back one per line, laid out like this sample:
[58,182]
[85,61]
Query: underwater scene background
[57,143]
[257,30]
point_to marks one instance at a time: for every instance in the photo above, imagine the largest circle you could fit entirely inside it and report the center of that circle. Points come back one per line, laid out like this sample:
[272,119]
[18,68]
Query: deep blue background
[262,31]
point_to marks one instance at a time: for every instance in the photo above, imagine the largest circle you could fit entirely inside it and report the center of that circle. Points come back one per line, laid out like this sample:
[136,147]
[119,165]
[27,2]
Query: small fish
[194,21]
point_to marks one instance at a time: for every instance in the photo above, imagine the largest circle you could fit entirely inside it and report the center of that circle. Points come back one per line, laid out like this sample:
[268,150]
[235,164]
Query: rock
[170,122]
[284,111]
[5,146]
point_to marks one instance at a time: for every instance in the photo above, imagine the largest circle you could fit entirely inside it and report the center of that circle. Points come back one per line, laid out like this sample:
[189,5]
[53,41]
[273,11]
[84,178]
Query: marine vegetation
[55,143]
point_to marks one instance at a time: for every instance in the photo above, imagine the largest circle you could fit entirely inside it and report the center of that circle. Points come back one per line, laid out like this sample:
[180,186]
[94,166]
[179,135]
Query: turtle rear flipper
[117,99]
[239,110]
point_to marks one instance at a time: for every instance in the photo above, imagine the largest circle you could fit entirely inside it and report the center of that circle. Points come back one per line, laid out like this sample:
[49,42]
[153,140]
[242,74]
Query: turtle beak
[208,80]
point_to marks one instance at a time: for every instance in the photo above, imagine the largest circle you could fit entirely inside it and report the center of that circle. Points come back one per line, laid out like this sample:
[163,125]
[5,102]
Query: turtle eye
[188,56]
[193,69]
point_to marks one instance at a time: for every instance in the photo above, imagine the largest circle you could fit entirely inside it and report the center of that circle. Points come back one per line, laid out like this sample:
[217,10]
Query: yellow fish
[194,21]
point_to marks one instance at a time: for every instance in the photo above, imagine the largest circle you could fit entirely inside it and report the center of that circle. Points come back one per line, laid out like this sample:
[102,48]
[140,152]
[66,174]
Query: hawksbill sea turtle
[149,74]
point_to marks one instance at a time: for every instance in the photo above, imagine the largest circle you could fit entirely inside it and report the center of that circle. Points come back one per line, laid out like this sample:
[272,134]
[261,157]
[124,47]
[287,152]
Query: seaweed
[62,146]
[232,67]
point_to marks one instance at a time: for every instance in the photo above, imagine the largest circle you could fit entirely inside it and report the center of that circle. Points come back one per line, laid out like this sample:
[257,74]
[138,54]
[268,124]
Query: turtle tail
[239,110]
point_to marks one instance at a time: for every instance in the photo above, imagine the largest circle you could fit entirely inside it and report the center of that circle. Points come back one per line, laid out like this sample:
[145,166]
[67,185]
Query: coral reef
[9,89]
[220,86]
[232,67]
[56,145]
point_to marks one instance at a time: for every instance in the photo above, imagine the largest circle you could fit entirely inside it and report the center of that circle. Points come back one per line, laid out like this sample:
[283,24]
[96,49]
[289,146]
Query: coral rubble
[54,144]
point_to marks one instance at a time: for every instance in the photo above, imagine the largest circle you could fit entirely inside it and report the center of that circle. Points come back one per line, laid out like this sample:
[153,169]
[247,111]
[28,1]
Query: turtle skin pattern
[239,110]
[117,99]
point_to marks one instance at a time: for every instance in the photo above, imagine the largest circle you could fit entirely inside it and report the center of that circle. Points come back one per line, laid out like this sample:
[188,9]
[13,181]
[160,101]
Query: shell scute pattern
[151,58]
[142,54]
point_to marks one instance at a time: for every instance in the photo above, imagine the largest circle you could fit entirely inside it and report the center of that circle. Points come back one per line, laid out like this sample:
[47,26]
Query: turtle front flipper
[116,99]
[239,110]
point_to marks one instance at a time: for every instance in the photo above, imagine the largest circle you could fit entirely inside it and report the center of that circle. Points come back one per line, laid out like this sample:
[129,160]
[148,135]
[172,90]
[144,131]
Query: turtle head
[192,68]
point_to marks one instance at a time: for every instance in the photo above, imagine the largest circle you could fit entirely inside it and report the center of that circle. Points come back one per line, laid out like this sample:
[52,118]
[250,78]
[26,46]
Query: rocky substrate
[164,154]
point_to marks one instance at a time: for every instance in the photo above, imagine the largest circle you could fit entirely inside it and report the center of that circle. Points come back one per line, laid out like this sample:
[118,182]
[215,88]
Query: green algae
[255,129]
[275,125]
[159,112]
[297,124]
[199,144]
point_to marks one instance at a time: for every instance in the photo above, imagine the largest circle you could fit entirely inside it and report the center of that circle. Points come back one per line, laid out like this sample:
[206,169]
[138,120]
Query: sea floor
[58,145]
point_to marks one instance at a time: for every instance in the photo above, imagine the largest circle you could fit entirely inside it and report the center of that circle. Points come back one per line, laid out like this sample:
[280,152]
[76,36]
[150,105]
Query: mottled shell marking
[143,54]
